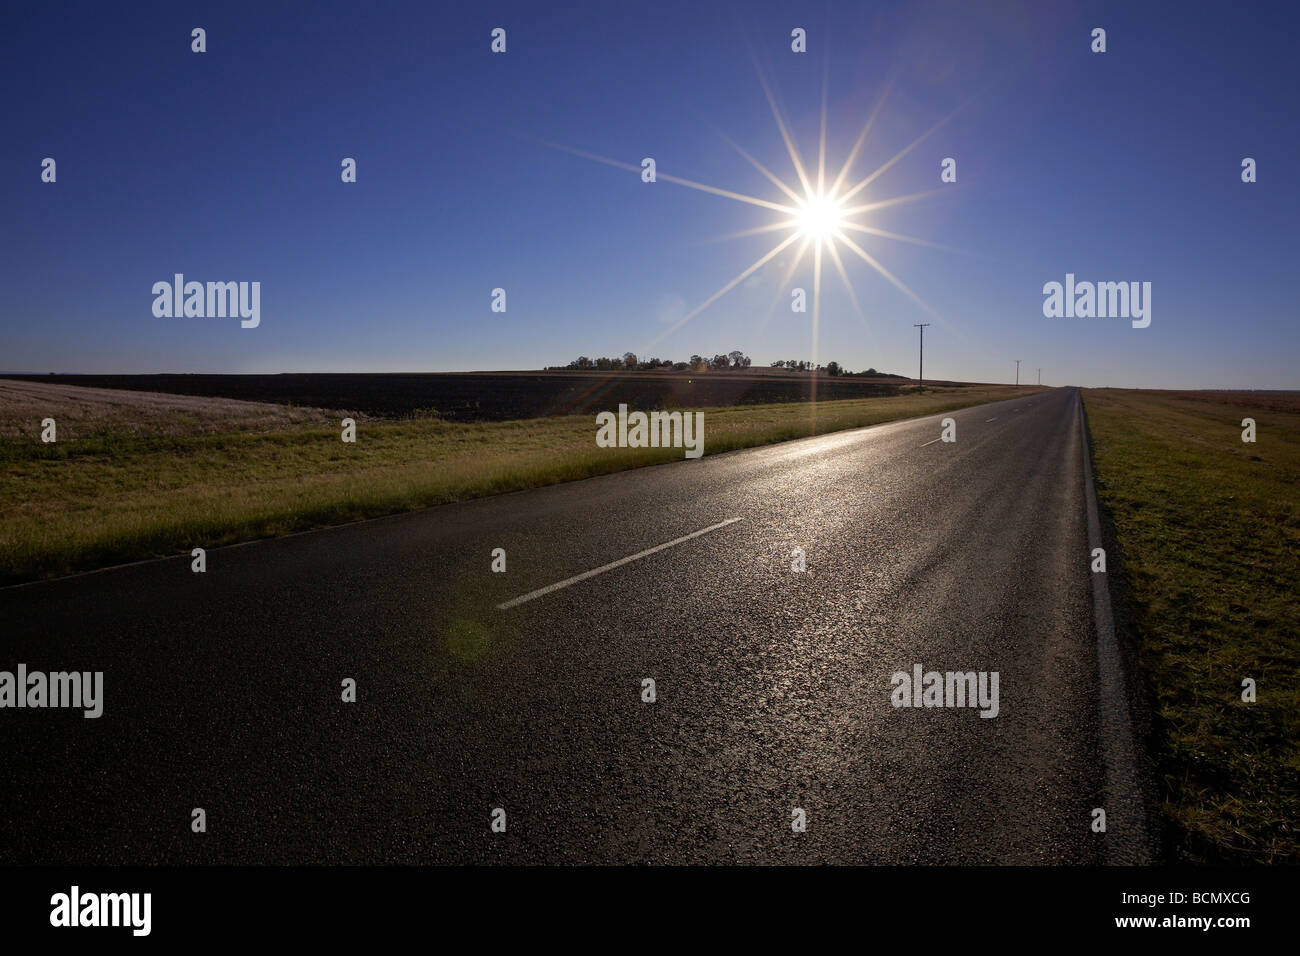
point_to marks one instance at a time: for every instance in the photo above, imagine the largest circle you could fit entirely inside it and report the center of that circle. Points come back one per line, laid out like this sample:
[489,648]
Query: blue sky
[1122,166]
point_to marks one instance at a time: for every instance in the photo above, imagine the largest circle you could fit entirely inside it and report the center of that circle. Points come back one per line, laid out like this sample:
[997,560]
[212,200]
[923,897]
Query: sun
[820,217]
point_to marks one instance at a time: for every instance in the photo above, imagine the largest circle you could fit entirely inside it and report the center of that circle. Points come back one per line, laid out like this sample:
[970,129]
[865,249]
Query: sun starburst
[817,214]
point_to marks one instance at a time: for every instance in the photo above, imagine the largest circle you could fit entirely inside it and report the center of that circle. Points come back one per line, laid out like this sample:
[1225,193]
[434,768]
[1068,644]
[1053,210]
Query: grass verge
[111,491]
[1208,530]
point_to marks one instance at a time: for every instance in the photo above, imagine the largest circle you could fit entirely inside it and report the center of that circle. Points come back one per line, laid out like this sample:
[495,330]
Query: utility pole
[920,369]
[1017,373]
[1040,376]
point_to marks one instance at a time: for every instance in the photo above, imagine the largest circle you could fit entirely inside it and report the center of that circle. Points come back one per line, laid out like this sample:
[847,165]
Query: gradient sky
[1120,166]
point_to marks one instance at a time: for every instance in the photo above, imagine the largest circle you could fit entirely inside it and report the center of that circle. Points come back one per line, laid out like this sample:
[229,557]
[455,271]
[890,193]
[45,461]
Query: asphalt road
[223,690]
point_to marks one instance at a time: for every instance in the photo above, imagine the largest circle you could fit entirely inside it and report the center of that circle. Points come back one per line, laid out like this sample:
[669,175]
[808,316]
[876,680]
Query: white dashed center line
[514,602]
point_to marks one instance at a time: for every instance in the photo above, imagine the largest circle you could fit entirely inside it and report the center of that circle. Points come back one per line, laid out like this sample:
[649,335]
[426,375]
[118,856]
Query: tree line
[629,361]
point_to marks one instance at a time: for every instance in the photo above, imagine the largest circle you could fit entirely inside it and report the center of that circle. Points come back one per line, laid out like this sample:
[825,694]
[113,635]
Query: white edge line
[513,602]
[923,444]
[1125,797]
[993,419]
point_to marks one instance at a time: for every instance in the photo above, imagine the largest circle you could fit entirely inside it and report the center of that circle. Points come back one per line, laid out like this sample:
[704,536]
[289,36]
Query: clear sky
[225,166]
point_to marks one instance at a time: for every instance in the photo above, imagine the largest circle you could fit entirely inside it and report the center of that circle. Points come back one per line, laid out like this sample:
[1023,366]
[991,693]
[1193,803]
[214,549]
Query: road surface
[773,687]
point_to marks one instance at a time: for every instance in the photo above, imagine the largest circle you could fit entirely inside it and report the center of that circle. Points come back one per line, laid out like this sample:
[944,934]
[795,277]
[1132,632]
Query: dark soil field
[497,396]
